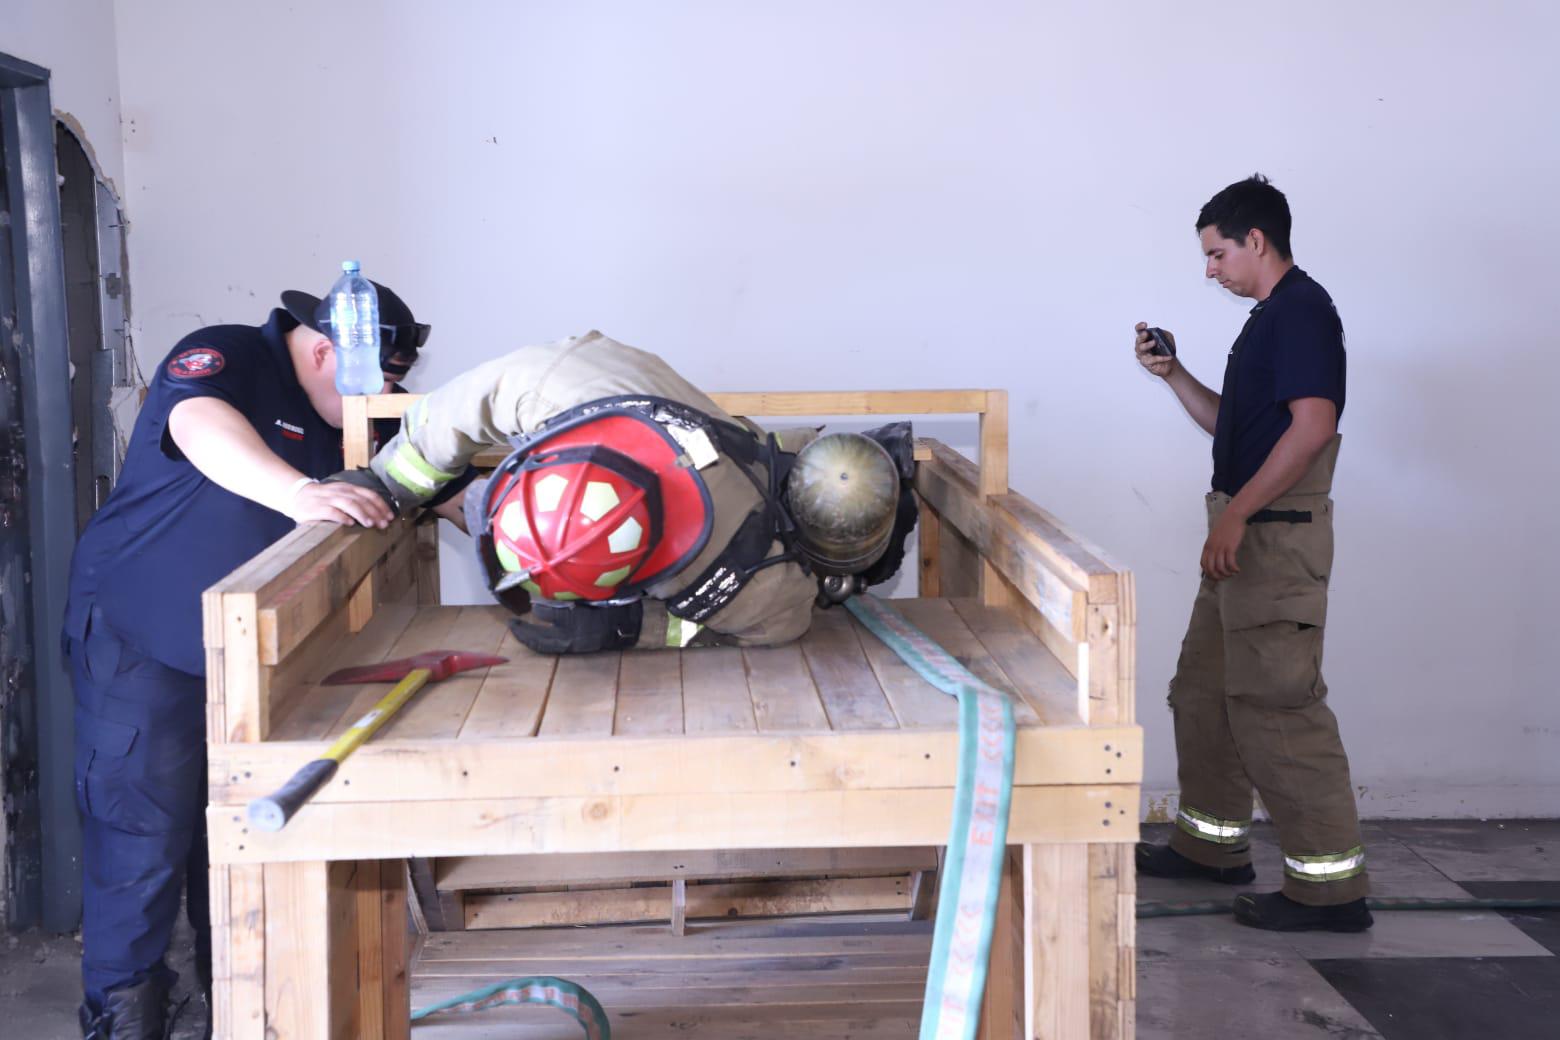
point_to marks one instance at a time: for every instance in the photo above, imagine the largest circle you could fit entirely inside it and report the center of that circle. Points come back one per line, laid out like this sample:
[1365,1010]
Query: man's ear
[319,352]
[1256,241]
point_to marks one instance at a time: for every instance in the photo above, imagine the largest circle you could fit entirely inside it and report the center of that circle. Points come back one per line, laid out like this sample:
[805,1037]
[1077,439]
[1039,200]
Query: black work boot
[138,1012]
[1163,861]
[1276,912]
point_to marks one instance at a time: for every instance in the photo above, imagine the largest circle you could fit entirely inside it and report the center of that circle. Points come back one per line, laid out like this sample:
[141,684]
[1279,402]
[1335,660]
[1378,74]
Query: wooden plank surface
[940,621]
[837,678]
[584,696]
[1053,695]
[649,695]
[917,703]
[784,697]
[310,714]
[439,709]
[716,698]
[851,695]
[428,629]
[512,696]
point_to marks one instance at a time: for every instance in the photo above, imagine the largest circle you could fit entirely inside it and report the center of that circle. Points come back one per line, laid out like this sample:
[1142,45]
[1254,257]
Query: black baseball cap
[400,334]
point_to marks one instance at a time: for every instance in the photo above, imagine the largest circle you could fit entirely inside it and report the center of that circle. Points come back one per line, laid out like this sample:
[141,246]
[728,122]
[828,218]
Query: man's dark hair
[1247,204]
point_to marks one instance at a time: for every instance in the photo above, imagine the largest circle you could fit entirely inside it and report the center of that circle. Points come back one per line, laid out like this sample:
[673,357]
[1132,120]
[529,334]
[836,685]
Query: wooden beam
[407,771]
[463,873]
[776,404]
[722,900]
[608,823]
[854,402]
[289,612]
[357,430]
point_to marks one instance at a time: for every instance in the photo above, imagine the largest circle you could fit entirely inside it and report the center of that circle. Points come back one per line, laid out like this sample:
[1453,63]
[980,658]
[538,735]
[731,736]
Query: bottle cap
[350,265]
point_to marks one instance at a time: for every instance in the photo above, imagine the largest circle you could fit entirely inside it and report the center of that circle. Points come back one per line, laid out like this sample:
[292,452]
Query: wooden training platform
[678,757]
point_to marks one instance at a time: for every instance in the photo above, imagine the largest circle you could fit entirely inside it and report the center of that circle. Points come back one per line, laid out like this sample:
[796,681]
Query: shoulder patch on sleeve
[196,363]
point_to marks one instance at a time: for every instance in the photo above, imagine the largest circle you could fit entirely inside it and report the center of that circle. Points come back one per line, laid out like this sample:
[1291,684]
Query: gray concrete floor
[1429,975]
[40,986]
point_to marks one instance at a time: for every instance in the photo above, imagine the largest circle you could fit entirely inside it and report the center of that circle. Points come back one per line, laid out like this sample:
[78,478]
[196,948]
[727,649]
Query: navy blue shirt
[1290,347]
[166,532]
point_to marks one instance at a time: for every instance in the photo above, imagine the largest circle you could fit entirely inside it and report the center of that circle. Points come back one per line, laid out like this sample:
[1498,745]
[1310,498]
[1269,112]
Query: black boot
[203,976]
[1163,861]
[1276,912]
[137,1012]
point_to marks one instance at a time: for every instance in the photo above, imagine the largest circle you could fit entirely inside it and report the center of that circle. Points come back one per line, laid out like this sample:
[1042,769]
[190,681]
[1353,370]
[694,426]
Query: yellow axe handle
[272,812]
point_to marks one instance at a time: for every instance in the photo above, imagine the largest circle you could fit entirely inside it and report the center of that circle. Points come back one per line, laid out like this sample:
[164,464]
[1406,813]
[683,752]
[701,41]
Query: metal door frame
[36,267]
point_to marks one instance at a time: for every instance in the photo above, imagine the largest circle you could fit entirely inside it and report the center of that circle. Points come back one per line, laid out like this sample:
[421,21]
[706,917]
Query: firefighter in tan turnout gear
[1248,697]
[634,512]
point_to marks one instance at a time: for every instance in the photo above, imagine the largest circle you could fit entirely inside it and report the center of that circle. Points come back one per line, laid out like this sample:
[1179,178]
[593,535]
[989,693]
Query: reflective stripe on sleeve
[414,473]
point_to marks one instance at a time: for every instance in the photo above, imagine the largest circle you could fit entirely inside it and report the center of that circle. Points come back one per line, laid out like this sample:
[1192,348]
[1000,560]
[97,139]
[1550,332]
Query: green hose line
[1147,909]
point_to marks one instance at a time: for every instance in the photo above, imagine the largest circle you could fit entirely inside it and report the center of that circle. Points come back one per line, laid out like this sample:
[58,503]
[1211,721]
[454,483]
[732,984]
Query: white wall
[891,194]
[75,41]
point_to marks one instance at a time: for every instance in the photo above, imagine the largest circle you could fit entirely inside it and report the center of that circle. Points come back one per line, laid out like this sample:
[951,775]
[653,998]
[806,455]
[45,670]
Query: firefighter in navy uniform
[239,425]
[634,512]
[1248,697]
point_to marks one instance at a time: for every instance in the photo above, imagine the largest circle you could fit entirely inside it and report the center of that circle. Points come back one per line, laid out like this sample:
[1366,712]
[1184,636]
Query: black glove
[899,442]
[454,487]
[365,478]
[579,628]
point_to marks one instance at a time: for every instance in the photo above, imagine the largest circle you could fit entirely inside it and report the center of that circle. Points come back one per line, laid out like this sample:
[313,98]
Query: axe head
[440,663]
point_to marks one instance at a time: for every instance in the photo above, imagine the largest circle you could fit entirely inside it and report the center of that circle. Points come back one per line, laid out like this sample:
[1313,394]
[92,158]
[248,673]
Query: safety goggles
[398,346]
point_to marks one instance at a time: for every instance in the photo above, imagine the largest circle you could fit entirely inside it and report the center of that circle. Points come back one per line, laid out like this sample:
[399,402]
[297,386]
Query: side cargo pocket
[1273,646]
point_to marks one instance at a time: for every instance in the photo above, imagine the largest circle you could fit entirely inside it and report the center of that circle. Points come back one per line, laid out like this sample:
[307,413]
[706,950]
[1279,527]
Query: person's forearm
[217,440]
[442,432]
[1201,403]
[1289,460]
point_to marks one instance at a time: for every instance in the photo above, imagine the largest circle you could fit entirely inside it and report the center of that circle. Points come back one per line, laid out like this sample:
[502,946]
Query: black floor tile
[1452,998]
[1542,926]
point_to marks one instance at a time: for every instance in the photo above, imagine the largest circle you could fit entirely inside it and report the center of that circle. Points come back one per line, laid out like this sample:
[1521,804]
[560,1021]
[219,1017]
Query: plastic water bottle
[354,325]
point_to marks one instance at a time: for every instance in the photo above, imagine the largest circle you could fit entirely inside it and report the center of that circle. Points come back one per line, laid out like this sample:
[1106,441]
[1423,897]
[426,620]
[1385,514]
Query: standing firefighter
[634,512]
[1248,697]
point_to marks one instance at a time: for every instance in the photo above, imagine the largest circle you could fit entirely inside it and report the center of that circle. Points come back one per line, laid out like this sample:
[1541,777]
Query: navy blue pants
[141,790]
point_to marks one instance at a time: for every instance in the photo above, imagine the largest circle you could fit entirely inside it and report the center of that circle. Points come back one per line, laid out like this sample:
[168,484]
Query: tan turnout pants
[1250,705]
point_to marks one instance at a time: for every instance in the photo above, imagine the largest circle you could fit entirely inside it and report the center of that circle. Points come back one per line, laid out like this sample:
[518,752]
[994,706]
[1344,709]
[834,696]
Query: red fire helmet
[596,509]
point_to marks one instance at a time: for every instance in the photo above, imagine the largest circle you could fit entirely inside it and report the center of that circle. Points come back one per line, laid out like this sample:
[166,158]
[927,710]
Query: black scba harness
[695,433]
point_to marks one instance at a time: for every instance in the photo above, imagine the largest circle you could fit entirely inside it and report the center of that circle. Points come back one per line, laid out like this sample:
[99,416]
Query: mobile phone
[1162,345]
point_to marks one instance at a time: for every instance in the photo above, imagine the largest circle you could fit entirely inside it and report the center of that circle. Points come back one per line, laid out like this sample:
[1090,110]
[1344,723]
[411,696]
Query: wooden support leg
[1001,1014]
[311,951]
[929,535]
[923,895]
[379,887]
[1112,942]
[238,952]
[1056,942]
[302,908]
[679,906]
